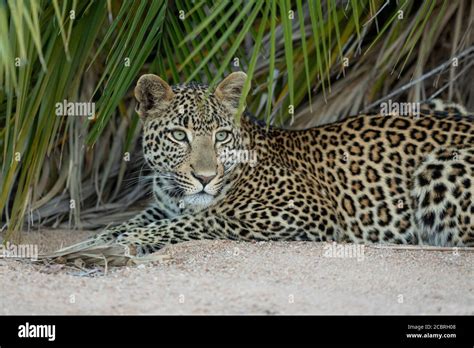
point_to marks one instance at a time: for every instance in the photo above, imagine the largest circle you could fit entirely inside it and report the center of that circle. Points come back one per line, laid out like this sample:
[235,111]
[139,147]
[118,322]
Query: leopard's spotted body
[368,179]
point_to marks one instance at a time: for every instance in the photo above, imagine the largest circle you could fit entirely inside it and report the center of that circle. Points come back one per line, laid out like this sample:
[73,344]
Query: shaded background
[309,62]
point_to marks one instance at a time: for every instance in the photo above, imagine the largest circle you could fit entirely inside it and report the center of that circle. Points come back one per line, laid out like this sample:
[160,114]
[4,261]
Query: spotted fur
[367,179]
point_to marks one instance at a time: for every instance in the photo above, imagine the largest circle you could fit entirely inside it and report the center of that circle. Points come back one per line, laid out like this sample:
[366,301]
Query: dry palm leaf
[92,252]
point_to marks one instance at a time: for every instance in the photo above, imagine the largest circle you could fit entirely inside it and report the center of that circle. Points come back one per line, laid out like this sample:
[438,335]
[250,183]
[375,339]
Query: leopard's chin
[199,200]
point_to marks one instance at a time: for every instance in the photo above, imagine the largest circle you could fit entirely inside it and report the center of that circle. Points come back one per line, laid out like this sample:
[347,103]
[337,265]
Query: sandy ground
[224,277]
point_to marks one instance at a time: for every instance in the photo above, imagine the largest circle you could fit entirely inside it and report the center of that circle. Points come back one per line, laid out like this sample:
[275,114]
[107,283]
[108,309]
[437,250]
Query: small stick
[421,247]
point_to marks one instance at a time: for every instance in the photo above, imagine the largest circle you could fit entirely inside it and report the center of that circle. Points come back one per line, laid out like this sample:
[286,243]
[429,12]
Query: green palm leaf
[324,58]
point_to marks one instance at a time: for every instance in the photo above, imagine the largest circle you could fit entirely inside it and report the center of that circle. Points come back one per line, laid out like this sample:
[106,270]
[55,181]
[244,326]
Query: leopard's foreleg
[146,217]
[190,227]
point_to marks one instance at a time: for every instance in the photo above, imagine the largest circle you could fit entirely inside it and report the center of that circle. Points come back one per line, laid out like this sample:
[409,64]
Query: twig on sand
[422,247]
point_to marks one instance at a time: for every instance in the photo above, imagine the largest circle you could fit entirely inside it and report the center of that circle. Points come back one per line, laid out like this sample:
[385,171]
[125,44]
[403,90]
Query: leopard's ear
[230,89]
[152,94]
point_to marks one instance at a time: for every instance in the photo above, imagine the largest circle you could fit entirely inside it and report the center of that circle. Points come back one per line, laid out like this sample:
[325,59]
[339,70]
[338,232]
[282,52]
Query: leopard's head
[186,129]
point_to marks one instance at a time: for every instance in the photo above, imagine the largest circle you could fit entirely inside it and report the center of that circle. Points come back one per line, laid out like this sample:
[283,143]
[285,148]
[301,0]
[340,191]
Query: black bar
[259,330]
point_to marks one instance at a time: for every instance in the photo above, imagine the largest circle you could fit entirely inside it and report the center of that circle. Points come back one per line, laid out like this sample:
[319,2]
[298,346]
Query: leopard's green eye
[222,136]
[179,135]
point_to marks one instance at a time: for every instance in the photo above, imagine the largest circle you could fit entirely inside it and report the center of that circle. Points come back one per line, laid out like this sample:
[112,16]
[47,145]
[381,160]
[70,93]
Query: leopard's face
[187,131]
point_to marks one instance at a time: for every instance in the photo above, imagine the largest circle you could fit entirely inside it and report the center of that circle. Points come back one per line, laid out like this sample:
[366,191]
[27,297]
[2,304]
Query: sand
[225,277]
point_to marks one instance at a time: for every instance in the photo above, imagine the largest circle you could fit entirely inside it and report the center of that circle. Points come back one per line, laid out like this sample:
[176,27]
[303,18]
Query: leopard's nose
[204,179]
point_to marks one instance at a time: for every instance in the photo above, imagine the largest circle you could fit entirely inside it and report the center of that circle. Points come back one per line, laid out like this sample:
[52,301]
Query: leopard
[369,178]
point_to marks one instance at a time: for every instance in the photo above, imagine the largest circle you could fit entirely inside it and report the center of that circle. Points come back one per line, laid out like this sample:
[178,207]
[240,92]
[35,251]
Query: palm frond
[321,59]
